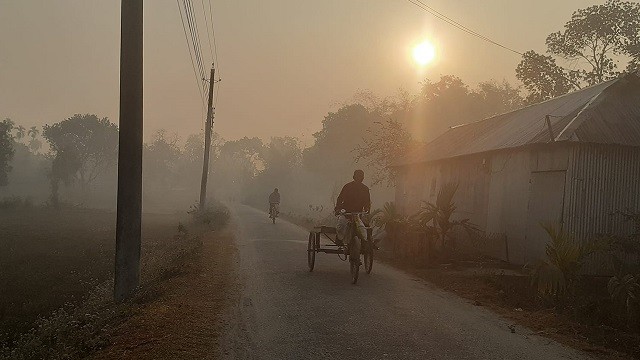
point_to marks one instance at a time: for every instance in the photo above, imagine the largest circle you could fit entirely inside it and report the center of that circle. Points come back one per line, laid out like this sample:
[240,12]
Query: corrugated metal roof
[607,113]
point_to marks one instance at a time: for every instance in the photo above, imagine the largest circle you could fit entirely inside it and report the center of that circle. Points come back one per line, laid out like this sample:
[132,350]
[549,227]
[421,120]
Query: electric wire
[459,26]
[195,39]
[190,53]
[197,31]
[215,61]
[213,34]
[206,21]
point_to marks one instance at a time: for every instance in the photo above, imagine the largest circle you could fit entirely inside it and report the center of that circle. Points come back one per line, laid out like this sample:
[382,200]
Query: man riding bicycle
[354,198]
[274,202]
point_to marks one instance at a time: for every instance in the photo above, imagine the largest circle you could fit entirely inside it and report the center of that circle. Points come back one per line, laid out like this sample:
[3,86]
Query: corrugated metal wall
[495,190]
[602,180]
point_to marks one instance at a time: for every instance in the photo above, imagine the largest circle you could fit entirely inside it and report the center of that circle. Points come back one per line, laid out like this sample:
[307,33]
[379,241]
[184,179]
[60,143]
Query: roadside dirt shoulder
[488,291]
[184,321]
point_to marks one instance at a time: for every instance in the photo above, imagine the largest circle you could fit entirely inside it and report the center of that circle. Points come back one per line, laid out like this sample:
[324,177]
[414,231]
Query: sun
[424,53]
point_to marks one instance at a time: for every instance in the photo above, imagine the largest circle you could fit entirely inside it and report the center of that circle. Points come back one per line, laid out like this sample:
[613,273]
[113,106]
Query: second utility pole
[207,144]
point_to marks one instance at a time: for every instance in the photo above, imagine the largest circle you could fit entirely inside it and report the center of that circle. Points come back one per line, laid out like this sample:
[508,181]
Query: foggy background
[302,86]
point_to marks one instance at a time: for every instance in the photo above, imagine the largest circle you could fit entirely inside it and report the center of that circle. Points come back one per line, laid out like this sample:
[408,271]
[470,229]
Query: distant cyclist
[274,203]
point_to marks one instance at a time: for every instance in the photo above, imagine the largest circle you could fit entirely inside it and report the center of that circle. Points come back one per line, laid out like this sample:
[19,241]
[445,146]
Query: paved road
[286,312]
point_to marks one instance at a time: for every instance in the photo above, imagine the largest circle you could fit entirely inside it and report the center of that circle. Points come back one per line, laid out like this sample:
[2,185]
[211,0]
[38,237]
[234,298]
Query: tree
[634,64]
[34,143]
[543,78]
[194,148]
[162,158]
[6,150]
[449,102]
[593,37]
[20,132]
[282,155]
[240,162]
[498,98]
[83,147]
[342,131]
[389,141]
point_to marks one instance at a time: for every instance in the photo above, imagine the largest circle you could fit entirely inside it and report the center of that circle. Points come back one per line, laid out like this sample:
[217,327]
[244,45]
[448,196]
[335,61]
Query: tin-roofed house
[573,160]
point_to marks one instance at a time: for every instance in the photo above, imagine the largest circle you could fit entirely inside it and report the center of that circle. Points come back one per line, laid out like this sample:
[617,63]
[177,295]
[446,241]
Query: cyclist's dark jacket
[354,197]
[274,198]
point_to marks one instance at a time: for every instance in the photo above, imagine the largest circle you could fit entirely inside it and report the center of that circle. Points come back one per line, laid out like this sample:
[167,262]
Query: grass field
[50,259]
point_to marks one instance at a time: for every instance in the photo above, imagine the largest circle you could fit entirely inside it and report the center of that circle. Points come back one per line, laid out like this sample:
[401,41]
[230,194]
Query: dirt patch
[511,298]
[183,321]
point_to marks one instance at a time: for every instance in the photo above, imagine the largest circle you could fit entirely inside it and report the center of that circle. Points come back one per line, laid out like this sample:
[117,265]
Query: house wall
[494,193]
[602,181]
[508,198]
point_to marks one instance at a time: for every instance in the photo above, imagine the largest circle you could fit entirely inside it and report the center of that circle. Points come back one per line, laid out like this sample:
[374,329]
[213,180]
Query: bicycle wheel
[311,251]
[368,256]
[274,219]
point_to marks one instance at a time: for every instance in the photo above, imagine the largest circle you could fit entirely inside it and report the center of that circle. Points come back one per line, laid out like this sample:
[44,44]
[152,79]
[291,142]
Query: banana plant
[388,215]
[625,291]
[565,256]
[437,218]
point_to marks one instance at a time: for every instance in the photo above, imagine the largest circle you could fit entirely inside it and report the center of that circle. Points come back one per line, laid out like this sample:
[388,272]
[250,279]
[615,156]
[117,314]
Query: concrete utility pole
[207,143]
[128,226]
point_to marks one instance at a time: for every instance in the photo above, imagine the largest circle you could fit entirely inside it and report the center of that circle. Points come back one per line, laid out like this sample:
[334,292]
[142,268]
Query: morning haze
[284,64]
[360,179]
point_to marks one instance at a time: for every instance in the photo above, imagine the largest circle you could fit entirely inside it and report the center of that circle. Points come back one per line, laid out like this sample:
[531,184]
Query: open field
[50,259]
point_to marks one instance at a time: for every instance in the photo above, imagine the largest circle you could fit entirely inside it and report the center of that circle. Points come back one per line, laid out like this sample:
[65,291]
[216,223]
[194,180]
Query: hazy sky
[284,63]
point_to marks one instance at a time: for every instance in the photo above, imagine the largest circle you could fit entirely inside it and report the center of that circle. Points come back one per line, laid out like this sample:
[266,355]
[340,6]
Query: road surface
[286,312]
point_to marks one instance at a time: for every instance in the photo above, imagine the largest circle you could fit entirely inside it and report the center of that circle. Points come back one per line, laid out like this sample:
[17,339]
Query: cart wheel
[355,269]
[368,256]
[311,251]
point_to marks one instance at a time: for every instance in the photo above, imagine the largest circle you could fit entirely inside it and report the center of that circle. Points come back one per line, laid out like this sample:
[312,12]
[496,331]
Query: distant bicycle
[273,212]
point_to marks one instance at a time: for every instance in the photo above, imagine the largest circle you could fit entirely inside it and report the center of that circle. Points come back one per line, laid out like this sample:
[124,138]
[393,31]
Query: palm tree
[20,131]
[34,143]
[33,132]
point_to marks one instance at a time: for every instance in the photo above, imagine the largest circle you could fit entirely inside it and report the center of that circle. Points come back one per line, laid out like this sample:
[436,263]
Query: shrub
[214,216]
[556,275]
[436,219]
[625,292]
[15,202]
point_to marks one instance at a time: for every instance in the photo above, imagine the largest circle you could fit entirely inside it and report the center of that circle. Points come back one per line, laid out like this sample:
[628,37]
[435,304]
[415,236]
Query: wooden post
[547,119]
[129,212]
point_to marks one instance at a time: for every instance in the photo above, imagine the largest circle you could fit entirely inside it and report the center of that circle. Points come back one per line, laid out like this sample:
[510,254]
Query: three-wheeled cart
[322,239]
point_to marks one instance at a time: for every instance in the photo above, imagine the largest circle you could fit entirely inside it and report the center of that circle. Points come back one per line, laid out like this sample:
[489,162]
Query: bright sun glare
[424,53]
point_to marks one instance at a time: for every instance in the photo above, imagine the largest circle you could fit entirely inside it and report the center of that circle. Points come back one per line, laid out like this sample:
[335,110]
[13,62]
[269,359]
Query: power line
[204,11]
[190,53]
[195,44]
[214,59]
[213,33]
[195,36]
[459,26]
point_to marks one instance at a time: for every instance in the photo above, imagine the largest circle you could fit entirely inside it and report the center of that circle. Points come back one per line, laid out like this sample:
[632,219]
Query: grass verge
[65,317]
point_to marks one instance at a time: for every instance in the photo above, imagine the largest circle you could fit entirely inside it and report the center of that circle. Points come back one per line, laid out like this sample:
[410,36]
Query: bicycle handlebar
[354,213]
